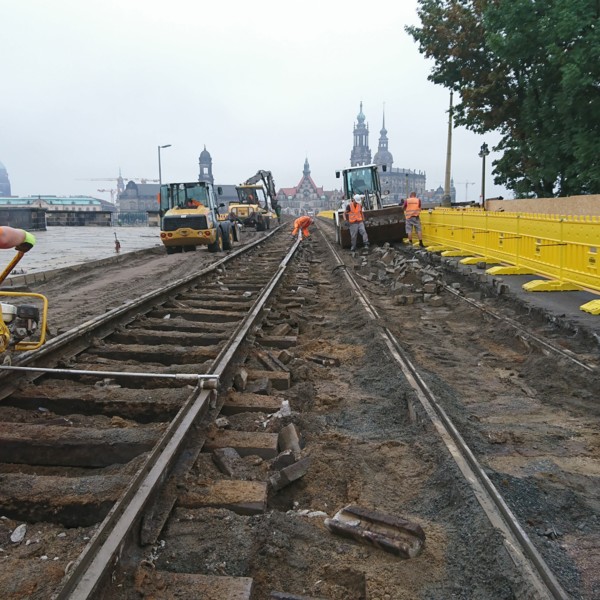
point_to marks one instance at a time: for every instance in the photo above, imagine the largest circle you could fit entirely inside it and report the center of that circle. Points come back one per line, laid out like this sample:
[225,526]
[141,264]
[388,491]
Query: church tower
[205,162]
[361,154]
[383,156]
[4,181]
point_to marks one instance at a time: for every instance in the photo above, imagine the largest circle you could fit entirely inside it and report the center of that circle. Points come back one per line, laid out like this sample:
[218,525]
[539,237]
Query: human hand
[27,244]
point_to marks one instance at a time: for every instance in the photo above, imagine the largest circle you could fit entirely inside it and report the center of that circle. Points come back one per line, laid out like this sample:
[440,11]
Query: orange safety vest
[355,212]
[302,223]
[412,207]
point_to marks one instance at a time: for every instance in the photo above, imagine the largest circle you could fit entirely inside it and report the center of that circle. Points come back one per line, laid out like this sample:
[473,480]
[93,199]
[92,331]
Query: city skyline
[80,104]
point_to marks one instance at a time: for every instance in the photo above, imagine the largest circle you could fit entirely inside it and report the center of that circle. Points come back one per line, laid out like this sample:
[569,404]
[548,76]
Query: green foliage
[529,69]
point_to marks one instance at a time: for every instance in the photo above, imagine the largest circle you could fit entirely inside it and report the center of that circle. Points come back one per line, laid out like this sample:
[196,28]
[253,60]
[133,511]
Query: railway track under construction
[211,439]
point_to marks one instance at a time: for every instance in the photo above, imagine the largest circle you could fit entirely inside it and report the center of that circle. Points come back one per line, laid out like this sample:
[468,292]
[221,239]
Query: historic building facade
[396,183]
[307,197]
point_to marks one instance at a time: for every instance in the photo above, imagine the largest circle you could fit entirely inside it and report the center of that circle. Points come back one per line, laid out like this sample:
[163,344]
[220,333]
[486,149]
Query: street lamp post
[482,154]
[447,198]
[159,170]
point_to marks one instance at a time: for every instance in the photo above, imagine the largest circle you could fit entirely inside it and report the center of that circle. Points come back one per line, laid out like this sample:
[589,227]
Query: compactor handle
[11,265]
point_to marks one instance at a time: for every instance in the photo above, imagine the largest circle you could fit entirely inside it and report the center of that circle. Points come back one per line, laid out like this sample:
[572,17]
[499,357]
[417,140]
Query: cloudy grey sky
[92,86]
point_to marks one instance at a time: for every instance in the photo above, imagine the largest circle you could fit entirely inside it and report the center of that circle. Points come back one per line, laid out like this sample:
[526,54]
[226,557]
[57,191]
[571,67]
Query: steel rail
[180,376]
[94,324]
[104,550]
[518,545]
[533,337]
[538,340]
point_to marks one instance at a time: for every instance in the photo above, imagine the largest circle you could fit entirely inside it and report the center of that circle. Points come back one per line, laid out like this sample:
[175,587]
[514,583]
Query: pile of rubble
[404,273]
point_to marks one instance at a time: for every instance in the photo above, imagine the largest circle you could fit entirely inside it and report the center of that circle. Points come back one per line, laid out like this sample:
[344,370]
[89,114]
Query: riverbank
[61,247]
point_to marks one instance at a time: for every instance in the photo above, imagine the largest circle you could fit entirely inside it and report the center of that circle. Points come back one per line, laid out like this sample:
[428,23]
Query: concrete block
[289,439]
[227,460]
[285,357]
[280,380]
[436,301]
[240,380]
[287,475]
[261,386]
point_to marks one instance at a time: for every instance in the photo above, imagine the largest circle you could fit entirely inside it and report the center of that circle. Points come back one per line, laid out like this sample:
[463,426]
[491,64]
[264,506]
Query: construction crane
[112,194]
[121,180]
[466,184]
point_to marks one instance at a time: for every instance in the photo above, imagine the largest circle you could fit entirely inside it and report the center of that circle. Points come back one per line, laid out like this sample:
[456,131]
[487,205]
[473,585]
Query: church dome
[360,117]
[383,157]
[205,155]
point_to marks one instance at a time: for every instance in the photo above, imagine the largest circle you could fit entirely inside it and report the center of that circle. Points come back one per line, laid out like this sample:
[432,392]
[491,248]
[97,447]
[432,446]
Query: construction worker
[302,224]
[277,209]
[356,221]
[19,239]
[412,212]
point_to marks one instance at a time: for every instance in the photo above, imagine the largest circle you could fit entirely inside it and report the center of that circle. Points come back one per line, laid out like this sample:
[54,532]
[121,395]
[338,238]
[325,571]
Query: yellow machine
[190,218]
[22,325]
[257,203]
[383,223]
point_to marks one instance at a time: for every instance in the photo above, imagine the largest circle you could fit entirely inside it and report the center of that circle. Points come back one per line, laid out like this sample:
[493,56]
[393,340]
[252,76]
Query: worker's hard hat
[358,198]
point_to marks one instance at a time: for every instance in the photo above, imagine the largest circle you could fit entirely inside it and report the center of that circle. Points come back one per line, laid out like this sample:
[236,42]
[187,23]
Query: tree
[529,69]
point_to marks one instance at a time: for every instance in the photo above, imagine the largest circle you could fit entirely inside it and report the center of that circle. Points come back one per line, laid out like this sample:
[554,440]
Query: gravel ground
[366,449]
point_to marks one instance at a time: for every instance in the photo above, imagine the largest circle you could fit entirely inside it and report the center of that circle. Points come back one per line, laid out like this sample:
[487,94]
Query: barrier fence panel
[562,248]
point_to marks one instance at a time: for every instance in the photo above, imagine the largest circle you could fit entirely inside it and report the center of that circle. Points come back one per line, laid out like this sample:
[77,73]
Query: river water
[60,247]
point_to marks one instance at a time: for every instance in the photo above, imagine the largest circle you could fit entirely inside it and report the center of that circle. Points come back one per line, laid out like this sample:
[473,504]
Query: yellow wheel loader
[383,223]
[190,218]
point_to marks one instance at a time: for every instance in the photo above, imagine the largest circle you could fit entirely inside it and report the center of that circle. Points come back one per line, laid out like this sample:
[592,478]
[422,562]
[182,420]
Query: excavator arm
[267,178]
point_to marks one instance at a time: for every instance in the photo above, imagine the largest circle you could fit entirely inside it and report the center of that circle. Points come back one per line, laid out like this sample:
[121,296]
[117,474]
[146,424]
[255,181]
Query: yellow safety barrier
[327,214]
[562,248]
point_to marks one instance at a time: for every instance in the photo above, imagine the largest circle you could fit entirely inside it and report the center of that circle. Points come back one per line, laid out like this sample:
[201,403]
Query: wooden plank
[245,443]
[241,497]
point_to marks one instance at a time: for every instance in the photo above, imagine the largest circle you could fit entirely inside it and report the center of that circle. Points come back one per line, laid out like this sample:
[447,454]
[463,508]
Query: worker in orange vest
[302,224]
[356,221]
[19,239]
[412,212]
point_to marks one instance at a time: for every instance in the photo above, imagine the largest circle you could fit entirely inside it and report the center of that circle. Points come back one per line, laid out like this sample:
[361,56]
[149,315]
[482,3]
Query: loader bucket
[383,225]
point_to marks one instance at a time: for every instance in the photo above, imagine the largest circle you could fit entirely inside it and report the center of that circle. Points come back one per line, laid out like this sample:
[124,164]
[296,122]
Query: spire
[361,154]
[383,156]
[306,171]
[360,117]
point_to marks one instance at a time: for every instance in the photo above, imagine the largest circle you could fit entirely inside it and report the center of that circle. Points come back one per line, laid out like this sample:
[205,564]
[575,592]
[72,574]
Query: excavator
[257,203]
[383,223]
[23,324]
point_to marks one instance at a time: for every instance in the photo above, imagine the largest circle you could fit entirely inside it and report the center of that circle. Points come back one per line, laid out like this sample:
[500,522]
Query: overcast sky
[91,87]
